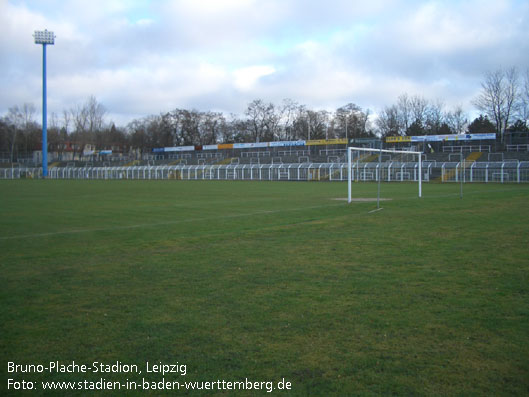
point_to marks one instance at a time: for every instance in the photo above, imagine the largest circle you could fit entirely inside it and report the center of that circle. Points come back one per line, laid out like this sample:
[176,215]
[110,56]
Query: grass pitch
[268,280]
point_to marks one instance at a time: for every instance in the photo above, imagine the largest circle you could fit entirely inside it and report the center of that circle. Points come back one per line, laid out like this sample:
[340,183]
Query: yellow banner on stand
[396,139]
[337,141]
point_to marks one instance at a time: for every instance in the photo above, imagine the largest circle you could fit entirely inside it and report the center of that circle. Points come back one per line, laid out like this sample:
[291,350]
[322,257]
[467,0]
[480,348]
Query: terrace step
[469,160]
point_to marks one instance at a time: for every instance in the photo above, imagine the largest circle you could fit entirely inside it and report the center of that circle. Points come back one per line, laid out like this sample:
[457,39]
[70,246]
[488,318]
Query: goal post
[358,150]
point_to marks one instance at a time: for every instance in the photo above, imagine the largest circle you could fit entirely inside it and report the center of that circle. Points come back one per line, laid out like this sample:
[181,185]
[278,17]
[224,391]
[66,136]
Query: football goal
[376,165]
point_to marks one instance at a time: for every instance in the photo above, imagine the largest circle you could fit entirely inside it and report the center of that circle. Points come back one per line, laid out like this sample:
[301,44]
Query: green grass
[269,280]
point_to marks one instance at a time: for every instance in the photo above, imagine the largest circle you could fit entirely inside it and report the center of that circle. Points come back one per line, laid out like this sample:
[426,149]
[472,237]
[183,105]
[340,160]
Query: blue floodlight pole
[44,116]
[44,38]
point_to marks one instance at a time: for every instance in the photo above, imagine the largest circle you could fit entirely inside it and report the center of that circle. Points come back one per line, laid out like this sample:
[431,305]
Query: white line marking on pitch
[137,226]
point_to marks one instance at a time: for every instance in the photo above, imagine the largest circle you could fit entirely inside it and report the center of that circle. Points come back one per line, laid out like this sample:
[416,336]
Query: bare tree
[405,114]
[87,117]
[321,124]
[139,140]
[88,122]
[273,122]
[299,123]
[498,97]
[457,119]
[16,120]
[15,117]
[54,121]
[235,130]
[419,107]
[388,121]
[4,135]
[341,121]
[79,117]
[212,125]
[435,117]
[263,119]
[54,140]
[28,112]
[523,108]
[288,113]
[21,128]
[95,113]
[66,119]
[351,121]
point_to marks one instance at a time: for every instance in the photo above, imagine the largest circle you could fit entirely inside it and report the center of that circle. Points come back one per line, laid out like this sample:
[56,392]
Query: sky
[140,57]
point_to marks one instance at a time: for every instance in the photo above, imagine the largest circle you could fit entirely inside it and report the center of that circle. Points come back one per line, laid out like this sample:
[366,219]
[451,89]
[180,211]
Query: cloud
[140,58]
[246,78]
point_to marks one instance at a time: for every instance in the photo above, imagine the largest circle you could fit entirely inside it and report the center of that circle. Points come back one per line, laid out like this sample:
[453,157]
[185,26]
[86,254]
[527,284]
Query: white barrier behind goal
[355,153]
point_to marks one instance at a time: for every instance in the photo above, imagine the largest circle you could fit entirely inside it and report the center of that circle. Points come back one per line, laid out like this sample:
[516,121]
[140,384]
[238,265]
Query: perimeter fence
[388,171]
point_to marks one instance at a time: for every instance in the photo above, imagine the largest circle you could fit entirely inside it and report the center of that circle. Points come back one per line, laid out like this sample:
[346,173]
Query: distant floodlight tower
[44,37]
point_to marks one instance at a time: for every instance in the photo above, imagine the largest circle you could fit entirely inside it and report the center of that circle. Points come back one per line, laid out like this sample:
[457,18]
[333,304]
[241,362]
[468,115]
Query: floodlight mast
[45,38]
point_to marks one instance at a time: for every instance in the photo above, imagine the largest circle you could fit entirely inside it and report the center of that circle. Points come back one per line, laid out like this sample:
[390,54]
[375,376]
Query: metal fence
[389,171]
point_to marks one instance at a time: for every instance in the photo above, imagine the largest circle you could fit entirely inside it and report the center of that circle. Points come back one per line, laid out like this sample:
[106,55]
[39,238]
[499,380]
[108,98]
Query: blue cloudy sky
[144,57]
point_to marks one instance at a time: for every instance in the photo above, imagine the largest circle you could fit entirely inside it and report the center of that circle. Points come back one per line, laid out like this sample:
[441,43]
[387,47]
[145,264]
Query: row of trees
[504,100]
[416,115]
[262,122]
[504,97]
[80,125]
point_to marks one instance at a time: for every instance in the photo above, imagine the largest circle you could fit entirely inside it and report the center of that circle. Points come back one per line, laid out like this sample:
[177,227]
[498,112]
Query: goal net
[382,165]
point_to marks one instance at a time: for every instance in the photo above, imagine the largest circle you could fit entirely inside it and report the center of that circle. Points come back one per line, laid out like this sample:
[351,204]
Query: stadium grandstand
[474,157]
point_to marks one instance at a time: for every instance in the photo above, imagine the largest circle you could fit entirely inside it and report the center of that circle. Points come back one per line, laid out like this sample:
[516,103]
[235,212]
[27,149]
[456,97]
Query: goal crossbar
[380,151]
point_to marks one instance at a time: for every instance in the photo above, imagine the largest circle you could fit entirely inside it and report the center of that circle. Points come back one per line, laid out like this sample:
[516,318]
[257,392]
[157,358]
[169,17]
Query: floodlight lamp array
[44,37]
